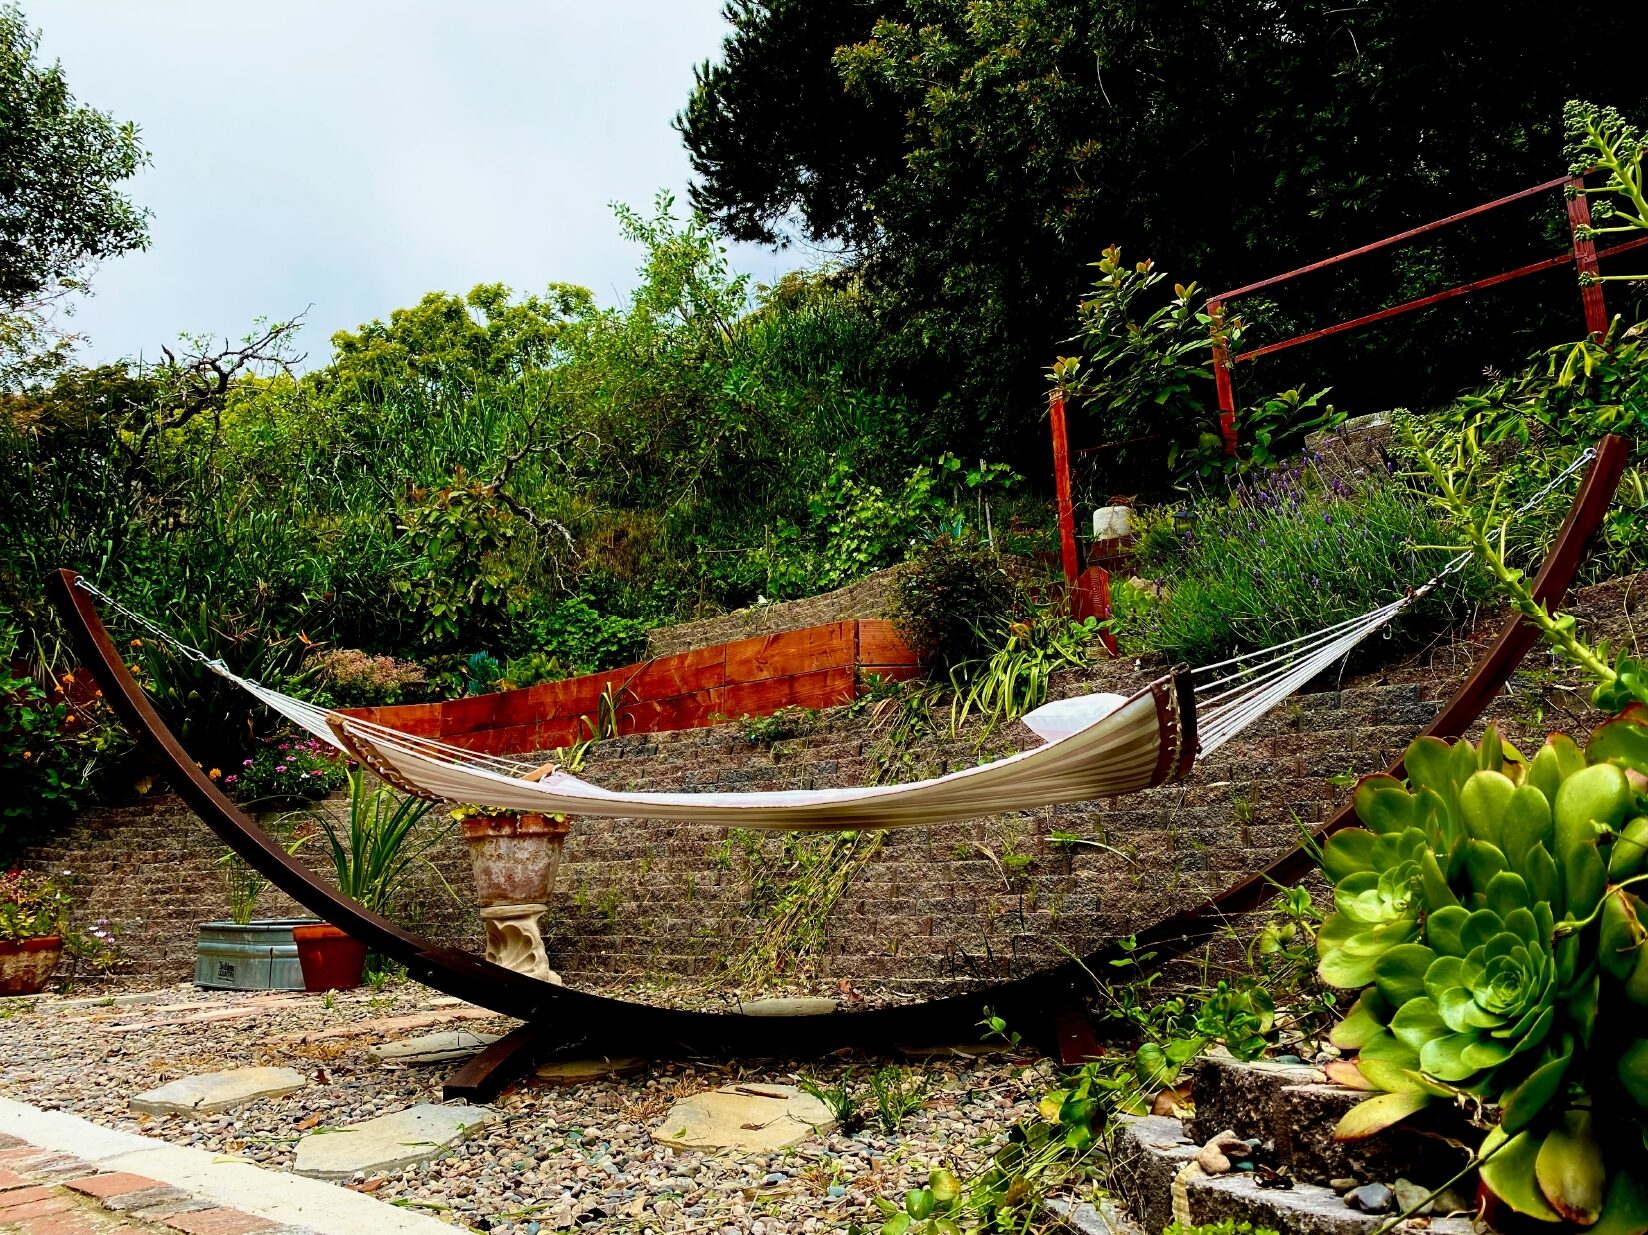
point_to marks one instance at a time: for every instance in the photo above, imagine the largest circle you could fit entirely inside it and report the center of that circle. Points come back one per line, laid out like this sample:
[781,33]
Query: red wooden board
[812,668]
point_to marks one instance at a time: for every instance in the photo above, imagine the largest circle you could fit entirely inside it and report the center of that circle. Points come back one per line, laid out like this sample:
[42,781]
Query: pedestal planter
[26,965]
[251,956]
[514,857]
[330,959]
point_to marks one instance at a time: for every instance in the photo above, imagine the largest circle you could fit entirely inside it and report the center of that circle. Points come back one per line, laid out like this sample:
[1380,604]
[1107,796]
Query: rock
[1212,1161]
[578,1071]
[755,1118]
[1218,1154]
[1371,1198]
[431,1047]
[787,1007]
[1411,1198]
[1344,1184]
[218,1091]
[417,1134]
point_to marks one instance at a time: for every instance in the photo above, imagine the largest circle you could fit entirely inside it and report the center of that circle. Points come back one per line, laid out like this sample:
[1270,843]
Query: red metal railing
[1582,254]
[1089,589]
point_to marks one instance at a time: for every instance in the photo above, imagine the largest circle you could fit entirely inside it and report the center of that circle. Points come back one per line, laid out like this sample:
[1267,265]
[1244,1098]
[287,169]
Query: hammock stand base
[1047,1008]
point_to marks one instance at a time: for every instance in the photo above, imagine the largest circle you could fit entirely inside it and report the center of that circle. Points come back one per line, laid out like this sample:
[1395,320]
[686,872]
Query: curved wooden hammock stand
[558,1020]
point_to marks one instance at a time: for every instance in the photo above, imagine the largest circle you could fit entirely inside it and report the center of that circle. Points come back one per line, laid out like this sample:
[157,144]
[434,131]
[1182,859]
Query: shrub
[41,771]
[287,769]
[1283,555]
[353,678]
[954,602]
[32,904]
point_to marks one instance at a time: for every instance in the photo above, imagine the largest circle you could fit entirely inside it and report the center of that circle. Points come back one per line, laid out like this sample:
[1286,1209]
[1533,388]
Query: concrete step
[1155,1173]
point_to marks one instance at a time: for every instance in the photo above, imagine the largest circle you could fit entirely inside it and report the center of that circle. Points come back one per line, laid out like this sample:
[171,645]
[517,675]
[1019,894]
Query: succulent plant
[1487,910]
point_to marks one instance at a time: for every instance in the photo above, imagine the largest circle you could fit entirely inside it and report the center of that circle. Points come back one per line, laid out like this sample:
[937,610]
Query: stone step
[1295,1109]
[1156,1174]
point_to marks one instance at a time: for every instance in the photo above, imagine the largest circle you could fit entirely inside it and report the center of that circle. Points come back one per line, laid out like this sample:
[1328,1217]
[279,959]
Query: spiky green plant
[382,844]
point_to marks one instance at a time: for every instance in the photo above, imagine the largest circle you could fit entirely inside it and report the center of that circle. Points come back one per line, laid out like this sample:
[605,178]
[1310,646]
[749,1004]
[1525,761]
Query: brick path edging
[43,1192]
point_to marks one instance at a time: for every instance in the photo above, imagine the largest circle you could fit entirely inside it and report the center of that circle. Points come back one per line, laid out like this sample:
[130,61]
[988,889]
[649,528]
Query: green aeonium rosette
[1488,910]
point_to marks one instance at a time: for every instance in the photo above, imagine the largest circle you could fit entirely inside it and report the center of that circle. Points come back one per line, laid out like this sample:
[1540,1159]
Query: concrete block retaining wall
[933,908]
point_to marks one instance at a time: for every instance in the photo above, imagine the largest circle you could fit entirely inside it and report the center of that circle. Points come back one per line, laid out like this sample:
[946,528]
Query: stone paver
[22,1196]
[114,1183]
[754,1118]
[388,1025]
[582,1071]
[417,1134]
[218,1221]
[219,1091]
[36,1209]
[432,1047]
[800,1006]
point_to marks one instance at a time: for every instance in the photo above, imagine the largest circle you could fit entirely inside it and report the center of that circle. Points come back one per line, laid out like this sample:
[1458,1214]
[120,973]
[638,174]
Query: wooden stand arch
[559,1020]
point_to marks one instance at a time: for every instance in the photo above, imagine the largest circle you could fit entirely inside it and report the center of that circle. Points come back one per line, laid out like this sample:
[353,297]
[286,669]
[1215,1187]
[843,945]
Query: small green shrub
[1013,679]
[351,678]
[954,602]
[376,849]
[1225,1226]
[43,776]
[286,769]
[786,722]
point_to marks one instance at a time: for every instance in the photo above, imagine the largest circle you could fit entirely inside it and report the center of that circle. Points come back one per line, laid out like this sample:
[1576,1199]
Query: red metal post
[1585,259]
[1221,376]
[1061,483]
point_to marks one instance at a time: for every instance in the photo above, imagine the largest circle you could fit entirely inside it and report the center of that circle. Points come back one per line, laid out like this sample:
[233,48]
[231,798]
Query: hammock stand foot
[486,1075]
[1077,1042]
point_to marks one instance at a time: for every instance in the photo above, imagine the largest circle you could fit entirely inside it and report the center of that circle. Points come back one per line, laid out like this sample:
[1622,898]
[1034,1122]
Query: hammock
[1094,746]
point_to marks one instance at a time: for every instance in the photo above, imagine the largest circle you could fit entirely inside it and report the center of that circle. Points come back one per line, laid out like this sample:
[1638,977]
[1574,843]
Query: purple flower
[229,780]
[280,767]
[245,763]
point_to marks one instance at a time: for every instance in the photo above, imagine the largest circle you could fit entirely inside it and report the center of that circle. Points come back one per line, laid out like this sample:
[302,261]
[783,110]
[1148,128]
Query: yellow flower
[214,773]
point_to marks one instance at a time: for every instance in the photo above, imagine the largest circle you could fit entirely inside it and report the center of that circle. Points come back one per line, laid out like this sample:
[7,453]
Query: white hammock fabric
[1095,746]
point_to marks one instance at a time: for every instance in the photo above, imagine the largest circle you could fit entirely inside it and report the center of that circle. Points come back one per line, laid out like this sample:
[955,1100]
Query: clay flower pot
[329,958]
[514,857]
[26,965]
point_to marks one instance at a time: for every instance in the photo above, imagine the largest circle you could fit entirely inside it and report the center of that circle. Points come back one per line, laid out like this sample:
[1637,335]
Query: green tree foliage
[1228,139]
[61,210]
[493,486]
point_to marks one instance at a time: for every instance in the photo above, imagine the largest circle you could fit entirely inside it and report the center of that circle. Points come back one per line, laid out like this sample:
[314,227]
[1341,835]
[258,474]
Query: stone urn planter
[514,856]
[26,965]
[260,955]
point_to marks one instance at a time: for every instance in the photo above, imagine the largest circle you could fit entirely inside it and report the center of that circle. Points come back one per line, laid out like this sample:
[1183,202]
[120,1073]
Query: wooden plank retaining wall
[818,667]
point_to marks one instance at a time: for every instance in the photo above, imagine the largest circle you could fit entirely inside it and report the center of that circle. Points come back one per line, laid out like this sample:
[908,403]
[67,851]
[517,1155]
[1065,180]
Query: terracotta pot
[26,965]
[329,958]
[514,857]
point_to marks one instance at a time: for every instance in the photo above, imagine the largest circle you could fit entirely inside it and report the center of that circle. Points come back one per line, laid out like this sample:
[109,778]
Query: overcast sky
[350,155]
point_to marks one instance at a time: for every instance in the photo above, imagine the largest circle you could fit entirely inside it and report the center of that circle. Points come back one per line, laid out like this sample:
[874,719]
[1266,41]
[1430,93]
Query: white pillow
[1062,717]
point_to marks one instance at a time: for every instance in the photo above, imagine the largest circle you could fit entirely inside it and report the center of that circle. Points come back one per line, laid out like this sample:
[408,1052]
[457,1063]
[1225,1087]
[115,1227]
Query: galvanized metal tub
[259,956]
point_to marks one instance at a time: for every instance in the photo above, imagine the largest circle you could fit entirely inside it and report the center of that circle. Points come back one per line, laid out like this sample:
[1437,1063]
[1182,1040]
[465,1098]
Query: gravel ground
[560,1158]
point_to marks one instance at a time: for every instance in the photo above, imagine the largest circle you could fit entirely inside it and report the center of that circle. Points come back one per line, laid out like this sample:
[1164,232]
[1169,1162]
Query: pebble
[1344,1184]
[558,1159]
[1411,1198]
[1371,1198]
